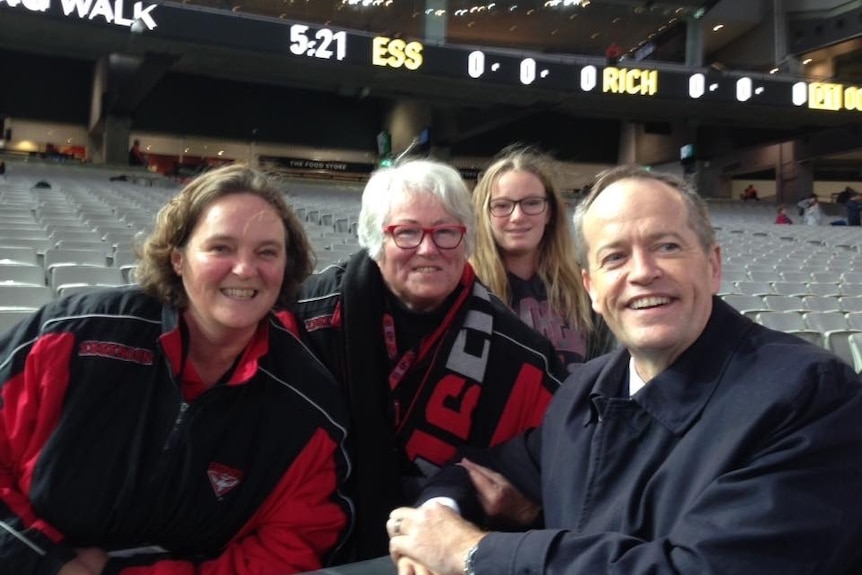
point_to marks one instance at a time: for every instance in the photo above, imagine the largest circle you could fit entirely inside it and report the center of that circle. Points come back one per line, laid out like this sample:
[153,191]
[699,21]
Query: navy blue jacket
[743,457]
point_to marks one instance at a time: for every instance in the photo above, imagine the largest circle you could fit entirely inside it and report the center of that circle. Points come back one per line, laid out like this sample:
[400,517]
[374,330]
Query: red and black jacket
[483,379]
[99,447]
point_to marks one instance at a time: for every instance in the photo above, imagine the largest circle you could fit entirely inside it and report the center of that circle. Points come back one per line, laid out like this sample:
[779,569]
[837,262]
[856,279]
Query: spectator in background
[844,195]
[430,361]
[810,211]
[703,447]
[782,217]
[750,193]
[179,426]
[136,156]
[525,254]
[2,169]
[853,209]
[613,53]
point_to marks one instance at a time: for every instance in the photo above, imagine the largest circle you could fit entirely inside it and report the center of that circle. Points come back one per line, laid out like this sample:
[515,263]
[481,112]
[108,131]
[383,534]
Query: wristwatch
[469,559]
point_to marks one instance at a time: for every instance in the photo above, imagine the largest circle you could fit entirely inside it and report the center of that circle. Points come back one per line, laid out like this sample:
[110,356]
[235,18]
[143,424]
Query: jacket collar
[172,344]
[678,395]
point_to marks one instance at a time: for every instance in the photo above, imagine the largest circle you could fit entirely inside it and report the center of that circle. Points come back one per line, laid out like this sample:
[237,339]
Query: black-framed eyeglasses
[532,206]
[409,236]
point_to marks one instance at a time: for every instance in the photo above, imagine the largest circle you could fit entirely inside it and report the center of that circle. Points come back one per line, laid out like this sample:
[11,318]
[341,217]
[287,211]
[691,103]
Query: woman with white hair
[430,361]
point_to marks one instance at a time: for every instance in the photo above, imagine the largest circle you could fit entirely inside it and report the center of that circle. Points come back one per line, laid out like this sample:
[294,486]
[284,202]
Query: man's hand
[433,536]
[407,566]
[503,504]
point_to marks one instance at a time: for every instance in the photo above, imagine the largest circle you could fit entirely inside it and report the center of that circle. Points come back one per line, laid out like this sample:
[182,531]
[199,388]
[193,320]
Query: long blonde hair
[557,266]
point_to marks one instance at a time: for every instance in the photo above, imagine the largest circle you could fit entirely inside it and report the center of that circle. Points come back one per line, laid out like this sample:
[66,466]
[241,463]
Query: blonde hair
[557,266]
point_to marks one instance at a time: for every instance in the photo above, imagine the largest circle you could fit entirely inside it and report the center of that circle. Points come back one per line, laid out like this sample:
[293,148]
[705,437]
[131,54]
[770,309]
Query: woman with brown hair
[177,426]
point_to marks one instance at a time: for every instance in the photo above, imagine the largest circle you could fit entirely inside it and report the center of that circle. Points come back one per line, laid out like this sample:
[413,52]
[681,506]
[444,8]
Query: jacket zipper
[174,435]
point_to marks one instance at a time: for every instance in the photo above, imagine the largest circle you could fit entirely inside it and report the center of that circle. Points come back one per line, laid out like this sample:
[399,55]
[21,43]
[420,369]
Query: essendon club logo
[223,478]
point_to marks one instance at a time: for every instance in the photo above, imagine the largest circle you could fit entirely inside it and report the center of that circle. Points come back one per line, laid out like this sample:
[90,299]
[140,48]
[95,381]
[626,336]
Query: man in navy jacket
[708,444]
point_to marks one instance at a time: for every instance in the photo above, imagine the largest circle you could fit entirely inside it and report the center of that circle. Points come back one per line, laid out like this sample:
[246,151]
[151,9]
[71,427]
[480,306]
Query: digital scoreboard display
[566,75]
[561,74]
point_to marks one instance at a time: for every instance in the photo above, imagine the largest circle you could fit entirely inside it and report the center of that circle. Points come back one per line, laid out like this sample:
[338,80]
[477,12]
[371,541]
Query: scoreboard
[508,69]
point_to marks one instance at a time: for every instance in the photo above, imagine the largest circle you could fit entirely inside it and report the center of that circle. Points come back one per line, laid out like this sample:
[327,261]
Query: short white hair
[411,178]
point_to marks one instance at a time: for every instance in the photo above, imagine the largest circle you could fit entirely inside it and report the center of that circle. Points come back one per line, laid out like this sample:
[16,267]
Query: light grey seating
[58,256]
[796,276]
[855,342]
[748,305]
[784,303]
[821,303]
[19,254]
[85,274]
[75,289]
[18,295]
[824,289]
[734,275]
[797,289]
[826,277]
[851,289]
[764,275]
[754,288]
[789,322]
[854,320]
[850,303]
[22,273]
[9,318]
[834,330]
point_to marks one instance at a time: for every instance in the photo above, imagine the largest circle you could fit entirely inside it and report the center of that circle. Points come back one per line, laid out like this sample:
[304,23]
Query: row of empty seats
[837,331]
[779,275]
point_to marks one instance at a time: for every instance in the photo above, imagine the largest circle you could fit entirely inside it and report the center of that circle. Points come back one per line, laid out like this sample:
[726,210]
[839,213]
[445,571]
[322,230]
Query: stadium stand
[801,279]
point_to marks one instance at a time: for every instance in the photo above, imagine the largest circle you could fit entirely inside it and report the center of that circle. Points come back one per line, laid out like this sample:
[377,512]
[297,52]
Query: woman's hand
[502,503]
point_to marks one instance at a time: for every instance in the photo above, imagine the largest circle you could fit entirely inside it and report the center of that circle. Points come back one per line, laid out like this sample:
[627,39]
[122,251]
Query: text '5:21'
[323,43]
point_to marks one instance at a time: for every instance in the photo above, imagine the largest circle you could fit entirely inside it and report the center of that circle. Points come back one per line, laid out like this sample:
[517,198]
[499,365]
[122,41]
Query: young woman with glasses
[429,361]
[525,254]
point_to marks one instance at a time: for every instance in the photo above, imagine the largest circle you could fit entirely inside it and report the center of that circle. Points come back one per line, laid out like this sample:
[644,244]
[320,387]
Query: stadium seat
[748,305]
[9,318]
[18,254]
[851,289]
[734,275]
[85,274]
[789,322]
[58,256]
[786,288]
[850,303]
[855,342]
[835,332]
[824,289]
[854,320]
[851,277]
[784,303]
[826,277]
[796,276]
[22,273]
[764,275]
[23,295]
[754,288]
[75,289]
[821,303]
